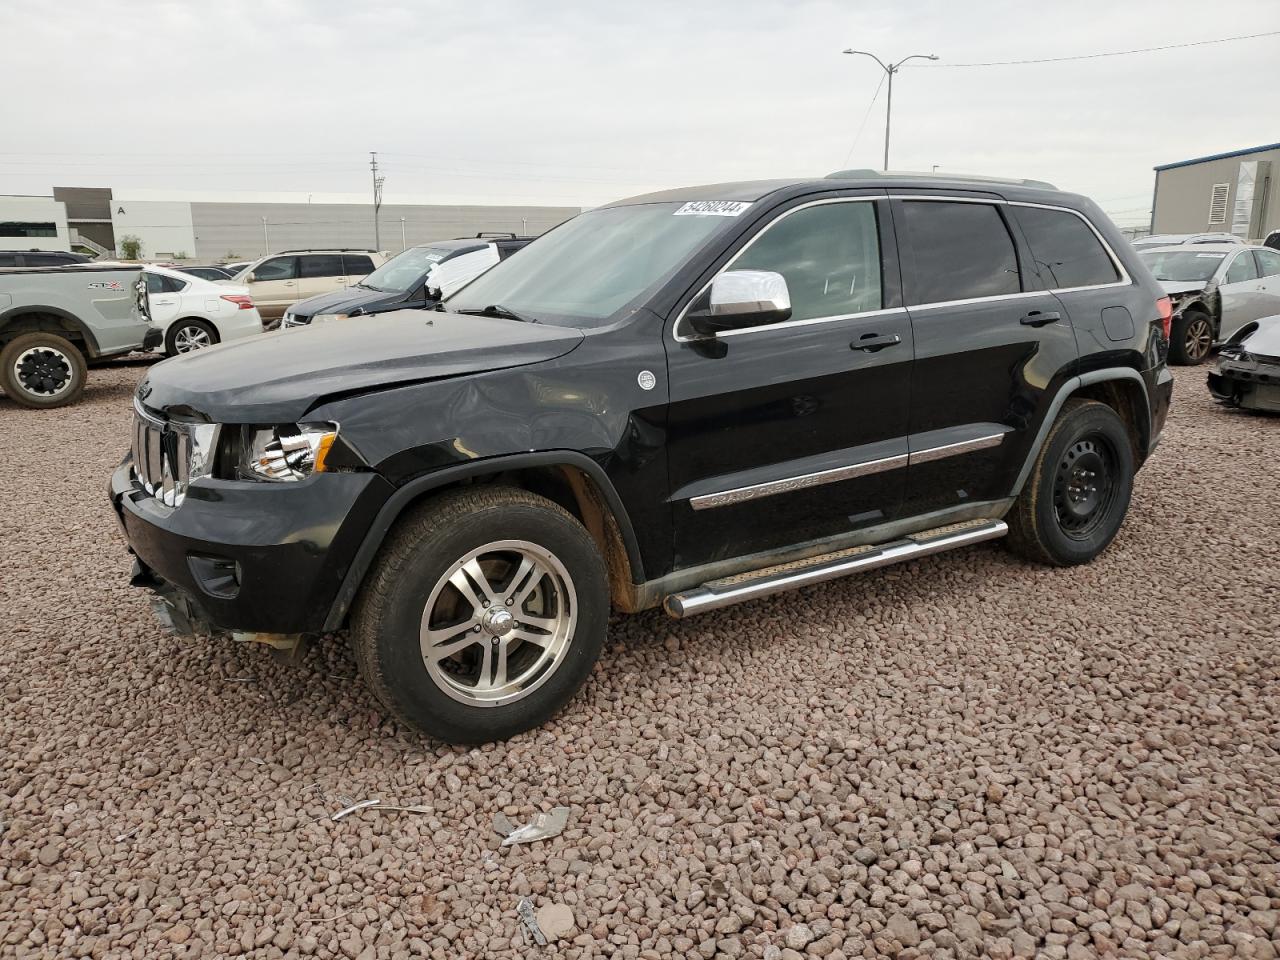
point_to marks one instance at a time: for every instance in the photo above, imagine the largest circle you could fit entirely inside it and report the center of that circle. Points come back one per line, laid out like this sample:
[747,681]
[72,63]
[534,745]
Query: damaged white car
[1216,289]
[1247,373]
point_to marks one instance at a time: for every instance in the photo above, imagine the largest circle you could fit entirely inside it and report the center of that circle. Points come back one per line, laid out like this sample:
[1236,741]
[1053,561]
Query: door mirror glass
[741,298]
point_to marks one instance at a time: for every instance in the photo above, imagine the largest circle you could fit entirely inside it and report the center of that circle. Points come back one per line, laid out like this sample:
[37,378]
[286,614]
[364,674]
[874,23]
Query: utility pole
[890,69]
[266,243]
[377,199]
[403,244]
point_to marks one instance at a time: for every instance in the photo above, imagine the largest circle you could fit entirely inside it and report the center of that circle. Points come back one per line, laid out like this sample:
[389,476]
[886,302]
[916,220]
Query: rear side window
[962,251]
[1242,268]
[277,268]
[1067,251]
[829,255]
[357,265]
[157,283]
[322,265]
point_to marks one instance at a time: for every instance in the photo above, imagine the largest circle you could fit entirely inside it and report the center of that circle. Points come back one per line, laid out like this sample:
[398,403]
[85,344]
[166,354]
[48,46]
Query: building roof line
[1219,156]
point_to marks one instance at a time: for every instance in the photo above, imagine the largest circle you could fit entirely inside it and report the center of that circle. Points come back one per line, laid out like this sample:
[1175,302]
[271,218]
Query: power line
[1095,56]
[858,136]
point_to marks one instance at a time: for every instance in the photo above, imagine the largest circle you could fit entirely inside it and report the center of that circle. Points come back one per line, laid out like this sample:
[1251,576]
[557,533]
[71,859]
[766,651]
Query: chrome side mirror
[741,298]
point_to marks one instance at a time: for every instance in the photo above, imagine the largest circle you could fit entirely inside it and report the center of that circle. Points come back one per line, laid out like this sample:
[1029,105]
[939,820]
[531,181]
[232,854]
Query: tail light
[1165,306]
[246,303]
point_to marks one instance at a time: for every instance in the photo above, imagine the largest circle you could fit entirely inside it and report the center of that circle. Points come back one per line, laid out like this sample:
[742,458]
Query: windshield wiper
[498,310]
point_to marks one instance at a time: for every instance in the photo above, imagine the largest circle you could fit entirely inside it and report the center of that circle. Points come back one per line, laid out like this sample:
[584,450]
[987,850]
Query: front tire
[1078,493]
[482,615]
[1190,338]
[189,335]
[42,370]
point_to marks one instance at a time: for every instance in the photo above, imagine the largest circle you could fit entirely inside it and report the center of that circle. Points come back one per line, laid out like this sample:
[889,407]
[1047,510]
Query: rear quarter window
[1067,251]
[962,251]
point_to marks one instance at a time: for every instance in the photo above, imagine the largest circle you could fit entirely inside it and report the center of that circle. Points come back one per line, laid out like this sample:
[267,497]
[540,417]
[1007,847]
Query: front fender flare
[412,490]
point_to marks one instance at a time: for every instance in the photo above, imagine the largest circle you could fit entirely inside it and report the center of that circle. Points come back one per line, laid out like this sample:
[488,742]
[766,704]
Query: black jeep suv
[685,399]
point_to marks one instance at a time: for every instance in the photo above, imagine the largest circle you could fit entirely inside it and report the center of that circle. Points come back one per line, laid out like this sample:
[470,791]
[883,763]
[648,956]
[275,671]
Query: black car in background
[417,278]
[686,399]
[40,258]
[207,273]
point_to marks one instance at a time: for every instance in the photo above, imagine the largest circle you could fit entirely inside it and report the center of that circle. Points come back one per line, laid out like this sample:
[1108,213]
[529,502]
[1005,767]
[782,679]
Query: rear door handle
[871,342]
[1037,319]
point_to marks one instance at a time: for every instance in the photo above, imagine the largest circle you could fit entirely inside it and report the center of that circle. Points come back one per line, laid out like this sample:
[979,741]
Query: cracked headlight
[290,452]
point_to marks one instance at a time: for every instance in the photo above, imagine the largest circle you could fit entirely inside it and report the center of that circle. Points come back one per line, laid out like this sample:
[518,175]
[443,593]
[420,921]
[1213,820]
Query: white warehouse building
[213,227]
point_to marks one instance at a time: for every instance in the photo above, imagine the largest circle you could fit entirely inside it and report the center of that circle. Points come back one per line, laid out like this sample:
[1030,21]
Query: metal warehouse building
[1224,193]
[245,226]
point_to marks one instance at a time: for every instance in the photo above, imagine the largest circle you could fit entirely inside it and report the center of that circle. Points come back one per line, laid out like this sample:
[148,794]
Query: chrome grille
[161,457]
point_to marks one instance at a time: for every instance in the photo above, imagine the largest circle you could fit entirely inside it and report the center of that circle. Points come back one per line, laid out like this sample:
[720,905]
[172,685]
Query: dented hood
[278,377]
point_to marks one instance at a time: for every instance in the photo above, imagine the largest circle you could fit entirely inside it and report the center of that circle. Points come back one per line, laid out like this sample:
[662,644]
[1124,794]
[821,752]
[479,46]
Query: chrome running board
[788,576]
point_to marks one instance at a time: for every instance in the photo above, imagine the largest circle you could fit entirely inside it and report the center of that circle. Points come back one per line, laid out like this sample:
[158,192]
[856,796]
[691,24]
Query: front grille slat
[161,458]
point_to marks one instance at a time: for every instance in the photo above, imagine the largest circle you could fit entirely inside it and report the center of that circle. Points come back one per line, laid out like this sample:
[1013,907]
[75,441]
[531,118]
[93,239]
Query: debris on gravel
[966,756]
[544,826]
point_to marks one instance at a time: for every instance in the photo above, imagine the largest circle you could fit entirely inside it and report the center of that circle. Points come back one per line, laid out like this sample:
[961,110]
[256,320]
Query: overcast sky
[578,103]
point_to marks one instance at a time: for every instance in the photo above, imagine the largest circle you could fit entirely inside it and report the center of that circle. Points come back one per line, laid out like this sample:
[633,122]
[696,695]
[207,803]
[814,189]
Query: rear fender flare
[1065,392]
[411,491]
[70,319]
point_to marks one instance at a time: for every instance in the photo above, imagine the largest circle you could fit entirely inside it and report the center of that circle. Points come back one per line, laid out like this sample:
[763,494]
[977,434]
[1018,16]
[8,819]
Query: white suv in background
[192,313]
[279,280]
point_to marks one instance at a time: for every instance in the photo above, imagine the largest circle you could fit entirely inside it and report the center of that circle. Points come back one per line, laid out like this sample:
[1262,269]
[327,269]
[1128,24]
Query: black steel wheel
[1075,499]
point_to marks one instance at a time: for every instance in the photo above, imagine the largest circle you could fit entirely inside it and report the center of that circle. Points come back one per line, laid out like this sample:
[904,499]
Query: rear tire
[1190,338]
[1078,493]
[42,370]
[482,616]
[189,335]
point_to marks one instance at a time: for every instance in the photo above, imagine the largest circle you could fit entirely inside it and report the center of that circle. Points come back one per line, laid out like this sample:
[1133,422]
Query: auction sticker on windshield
[713,208]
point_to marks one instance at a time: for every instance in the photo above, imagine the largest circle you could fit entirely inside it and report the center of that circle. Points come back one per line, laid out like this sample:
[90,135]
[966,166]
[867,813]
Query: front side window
[277,268]
[1268,262]
[322,265]
[829,255]
[962,251]
[1068,253]
[587,270]
[1242,268]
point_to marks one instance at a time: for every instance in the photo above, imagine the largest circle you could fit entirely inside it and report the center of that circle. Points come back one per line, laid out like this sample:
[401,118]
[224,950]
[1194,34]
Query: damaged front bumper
[259,561]
[1246,381]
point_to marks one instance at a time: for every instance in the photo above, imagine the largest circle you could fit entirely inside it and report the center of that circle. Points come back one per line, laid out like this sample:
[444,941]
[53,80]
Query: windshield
[1182,265]
[404,271]
[586,270]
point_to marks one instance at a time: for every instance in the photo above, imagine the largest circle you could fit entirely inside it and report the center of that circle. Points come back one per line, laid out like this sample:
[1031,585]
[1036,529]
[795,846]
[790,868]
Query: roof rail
[912,174]
[497,235]
[329,250]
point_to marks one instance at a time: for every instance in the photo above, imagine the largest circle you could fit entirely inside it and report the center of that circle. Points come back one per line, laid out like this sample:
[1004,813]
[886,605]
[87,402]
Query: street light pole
[890,69]
[266,244]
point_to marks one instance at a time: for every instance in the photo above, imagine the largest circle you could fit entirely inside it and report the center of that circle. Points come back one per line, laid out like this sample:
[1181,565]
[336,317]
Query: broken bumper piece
[1250,382]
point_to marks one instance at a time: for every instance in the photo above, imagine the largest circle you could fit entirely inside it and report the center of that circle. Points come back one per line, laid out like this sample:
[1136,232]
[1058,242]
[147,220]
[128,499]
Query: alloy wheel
[191,337]
[1084,486]
[498,623]
[1199,339]
[43,371]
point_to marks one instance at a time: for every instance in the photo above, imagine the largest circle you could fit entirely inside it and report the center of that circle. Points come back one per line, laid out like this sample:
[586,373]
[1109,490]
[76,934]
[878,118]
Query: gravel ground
[963,756]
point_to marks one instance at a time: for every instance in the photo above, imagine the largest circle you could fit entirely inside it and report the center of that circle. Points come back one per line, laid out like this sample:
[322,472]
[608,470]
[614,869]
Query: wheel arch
[568,478]
[1121,388]
[45,319]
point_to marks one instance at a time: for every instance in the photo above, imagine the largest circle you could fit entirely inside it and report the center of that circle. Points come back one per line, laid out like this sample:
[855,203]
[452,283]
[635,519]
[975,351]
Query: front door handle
[871,342]
[1037,319]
